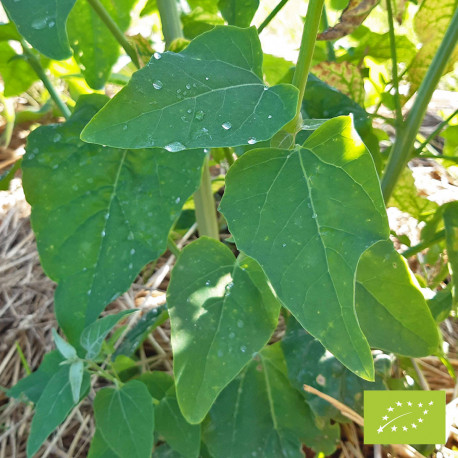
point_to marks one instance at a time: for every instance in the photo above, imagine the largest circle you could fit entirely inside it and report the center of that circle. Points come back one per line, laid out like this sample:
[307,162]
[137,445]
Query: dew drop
[188,86]
[39,23]
[131,266]
[177,200]
[266,88]
[269,117]
[314,215]
[132,251]
[240,324]
[157,84]
[157,55]
[207,78]
[231,335]
[189,111]
[200,115]
[226,125]
[283,245]
[89,292]
[56,138]
[251,141]
[243,349]
[124,127]
[207,283]
[175,146]
[103,233]
[51,24]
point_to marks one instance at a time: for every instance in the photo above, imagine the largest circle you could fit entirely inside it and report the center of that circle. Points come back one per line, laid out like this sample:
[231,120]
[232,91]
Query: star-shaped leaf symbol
[390,409]
[399,404]
[393,428]
[420,404]
[420,420]
[431,403]
[409,404]
[414,426]
[380,429]
[385,418]
[425,411]
[404,428]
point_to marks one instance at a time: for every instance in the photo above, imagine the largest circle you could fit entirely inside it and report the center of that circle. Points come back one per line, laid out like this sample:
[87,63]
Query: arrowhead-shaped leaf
[42,24]
[211,94]
[386,294]
[306,215]
[95,48]
[260,414]
[100,214]
[125,419]
[52,408]
[221,311]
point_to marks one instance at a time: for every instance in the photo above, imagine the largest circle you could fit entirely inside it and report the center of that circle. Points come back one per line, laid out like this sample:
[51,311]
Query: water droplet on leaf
[157,84]
[226,125]
[175,146]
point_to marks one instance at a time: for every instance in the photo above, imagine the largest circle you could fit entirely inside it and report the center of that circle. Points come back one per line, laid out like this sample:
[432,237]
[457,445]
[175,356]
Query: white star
[409,404]
[420,420]
[385,418]
[380,430]
[399,404]
[414,426]
[431,403]
[393,428]
[420,404]
[425,412]
[390,409]
[404,428]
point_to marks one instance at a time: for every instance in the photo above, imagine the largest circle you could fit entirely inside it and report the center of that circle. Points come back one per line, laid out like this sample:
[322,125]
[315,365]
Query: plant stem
[170,20]
[172,246]
[207,222]
[115,30]
[394,64]
[413,250]
[38,69]
[272,14]
[403,145]
[329,43]
[228,155]
[9,115]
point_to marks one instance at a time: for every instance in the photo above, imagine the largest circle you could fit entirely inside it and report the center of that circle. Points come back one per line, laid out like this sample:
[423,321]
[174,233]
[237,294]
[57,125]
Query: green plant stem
[435,132]
[228,155]
[413,250]
[207,222]
[38,69]
[173,247]
[103,373]
[170,20]
[272,14]
[9,115]
[439,156]
[394,64]
[403,145]
[115,30]
[329,43]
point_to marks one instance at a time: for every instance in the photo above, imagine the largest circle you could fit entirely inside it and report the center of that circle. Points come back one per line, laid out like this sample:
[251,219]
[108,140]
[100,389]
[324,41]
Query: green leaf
[199,21]
[406,198]
[99,448]
[221,311]
[441,304]
[33,385]
[93,336]
[383,282]
[183,437]
[42,24]
[76,379]
[125,419]
[52,408]
[309,363]
[100,214]
[9,31]
[65,349]
[95,48]
[211,94]
[307,215]
[16,73]
[451,238]
[275,68]
[238,12]
[260,414]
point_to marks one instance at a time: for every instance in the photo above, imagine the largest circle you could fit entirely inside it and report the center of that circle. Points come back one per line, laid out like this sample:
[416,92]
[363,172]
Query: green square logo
[404,417]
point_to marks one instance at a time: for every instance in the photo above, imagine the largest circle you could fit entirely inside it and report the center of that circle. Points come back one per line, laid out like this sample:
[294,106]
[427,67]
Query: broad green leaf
[238,12]
[93,336]
[451,238]
[384,282]
[65,349]
[430,24]
[125,419]
[405,197]
[100,214]
[52,408]
[207,5]
[33,385]
[9,31]
[16,73]
[275,68]
[352,16]
[222,310]
[199,21]
[99,448]
[95,48]
[307,215]
[260,414]
[309,363]
[344,76]
[42,24]
[183,437]
[76,379]
[211,94]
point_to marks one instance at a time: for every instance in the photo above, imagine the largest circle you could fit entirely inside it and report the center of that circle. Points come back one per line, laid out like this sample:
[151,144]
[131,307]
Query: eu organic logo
[404,417]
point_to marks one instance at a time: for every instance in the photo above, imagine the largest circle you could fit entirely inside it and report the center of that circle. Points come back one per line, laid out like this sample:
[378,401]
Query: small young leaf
[33,385]
[65,349]
[93,336]
[76,379]
[221,311]
[42,24]
[238,12]
[211,94]
[260,414]
[52,408]
[307,215]
[383,281]
[451,237]
[100,214]
[125,419]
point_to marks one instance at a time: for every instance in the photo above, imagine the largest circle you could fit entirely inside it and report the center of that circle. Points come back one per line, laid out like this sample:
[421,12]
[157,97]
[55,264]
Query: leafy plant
[304,204]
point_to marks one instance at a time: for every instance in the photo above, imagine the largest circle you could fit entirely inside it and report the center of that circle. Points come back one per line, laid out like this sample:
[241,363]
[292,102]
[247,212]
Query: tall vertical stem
[207,222]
